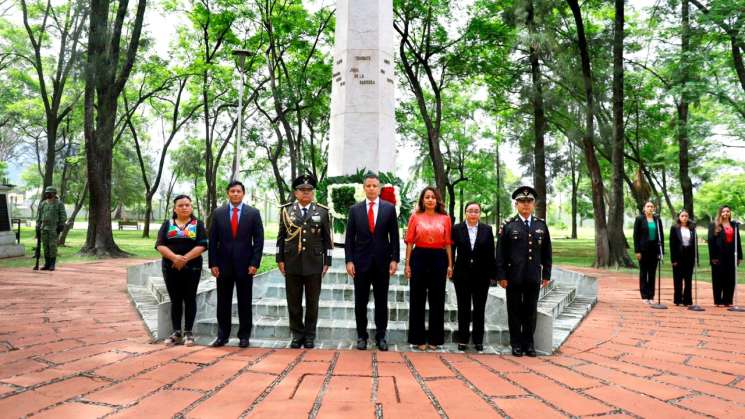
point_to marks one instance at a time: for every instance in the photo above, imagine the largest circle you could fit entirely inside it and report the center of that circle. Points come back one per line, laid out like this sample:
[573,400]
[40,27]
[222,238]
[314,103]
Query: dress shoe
[517,351]
[361,344]
[462,346]
[530,351]
[243,343]
[297,343]
[479,347]
[309,344]
[218,343]
[382,345]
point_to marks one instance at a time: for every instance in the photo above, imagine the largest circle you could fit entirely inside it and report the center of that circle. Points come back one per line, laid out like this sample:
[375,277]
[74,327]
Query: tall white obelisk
[362,102]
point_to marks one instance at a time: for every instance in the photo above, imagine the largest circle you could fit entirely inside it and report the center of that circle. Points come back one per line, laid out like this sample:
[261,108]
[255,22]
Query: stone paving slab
[72,345]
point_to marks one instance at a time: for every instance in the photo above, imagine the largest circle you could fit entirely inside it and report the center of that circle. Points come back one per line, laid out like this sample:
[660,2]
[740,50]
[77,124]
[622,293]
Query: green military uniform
[303,245]
[50,221]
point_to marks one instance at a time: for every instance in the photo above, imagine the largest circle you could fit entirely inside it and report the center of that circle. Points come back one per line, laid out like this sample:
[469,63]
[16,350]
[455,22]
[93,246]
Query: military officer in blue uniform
[304,256]
[523,267]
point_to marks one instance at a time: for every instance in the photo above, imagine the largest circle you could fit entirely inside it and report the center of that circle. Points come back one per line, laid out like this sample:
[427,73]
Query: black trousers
[648,270]
[682,274]
[379,278]
[471,290]
[295,286]
[428,276]
[522,311]
[723,280]
[182,290]
[243,283]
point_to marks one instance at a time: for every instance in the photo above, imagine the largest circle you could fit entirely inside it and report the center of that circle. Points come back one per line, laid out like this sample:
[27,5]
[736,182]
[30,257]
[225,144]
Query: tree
[107,72]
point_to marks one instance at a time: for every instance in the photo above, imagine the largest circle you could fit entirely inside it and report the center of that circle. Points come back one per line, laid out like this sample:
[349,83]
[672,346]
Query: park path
[72,345]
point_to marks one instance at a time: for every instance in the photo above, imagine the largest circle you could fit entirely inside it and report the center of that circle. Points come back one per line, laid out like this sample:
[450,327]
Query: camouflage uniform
[50,221]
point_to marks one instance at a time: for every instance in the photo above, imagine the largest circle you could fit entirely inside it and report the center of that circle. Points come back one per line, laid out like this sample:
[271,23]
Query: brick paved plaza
[72,345]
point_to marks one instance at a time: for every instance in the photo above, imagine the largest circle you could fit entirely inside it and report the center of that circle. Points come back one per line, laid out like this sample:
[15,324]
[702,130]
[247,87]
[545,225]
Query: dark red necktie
[371,217]
[234,222]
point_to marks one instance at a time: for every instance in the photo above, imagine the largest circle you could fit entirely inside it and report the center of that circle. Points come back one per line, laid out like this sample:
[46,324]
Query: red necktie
[371,217]
[234,222]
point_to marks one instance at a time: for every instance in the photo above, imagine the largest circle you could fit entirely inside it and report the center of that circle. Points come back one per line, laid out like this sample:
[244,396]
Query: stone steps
[570,318]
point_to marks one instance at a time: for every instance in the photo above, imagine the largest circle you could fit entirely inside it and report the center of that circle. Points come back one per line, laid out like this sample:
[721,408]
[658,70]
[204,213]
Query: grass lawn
[567,252]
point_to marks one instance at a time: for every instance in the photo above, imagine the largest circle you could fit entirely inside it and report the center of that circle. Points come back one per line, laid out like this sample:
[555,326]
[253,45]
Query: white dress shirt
[472,231]
[685,236]
[376,206]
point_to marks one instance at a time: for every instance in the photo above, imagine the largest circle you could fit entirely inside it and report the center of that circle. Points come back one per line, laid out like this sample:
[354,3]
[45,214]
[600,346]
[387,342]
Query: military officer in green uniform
[304,256]
[50,222]
[523,267]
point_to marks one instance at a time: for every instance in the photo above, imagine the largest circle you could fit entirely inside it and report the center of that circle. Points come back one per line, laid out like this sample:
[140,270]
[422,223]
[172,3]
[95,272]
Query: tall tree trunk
[576,174]
[539,117]
[619,255]
[70,223]
[685,48]
[602,251]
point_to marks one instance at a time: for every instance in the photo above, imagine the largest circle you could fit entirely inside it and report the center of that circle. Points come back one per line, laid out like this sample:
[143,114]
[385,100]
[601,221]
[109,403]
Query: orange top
[430,231]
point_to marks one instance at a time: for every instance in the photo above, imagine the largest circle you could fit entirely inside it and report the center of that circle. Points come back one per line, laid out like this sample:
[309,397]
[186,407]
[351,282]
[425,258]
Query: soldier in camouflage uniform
[303,257]
[50,222]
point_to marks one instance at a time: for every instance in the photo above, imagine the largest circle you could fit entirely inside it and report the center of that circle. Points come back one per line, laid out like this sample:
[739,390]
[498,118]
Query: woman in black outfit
[723,233]
[649,247]
[475,268]
[181,241]
[683,256]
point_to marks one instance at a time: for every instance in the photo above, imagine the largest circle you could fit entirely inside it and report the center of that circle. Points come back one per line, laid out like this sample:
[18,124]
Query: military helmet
[50,189]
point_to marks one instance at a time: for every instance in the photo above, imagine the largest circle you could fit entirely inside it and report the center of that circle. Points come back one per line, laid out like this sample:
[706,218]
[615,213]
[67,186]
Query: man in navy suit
[236,244]
[371,251]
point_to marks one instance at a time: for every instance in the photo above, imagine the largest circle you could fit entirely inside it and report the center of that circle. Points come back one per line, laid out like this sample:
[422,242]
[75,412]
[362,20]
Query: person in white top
[683,255]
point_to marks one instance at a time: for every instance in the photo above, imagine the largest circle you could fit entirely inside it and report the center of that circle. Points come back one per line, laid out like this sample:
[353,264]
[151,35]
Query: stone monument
[8,246]
[362,91]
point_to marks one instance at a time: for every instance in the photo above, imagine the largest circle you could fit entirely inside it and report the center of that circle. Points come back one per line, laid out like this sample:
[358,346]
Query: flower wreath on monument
[339,193]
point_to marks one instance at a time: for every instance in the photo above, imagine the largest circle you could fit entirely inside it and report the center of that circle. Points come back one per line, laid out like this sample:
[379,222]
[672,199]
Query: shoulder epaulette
[539,219]
[287,204]
[322,206]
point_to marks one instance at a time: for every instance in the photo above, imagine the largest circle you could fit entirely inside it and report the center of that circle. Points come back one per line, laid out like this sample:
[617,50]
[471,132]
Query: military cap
[524,192]
[50,189]
[306,180]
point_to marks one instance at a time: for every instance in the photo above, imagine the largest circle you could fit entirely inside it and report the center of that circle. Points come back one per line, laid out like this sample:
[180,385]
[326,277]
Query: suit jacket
[303,243]
[641,233]
[524,255]
[236,255]
[479,263]
[676,242]
[367,249]
[718,249]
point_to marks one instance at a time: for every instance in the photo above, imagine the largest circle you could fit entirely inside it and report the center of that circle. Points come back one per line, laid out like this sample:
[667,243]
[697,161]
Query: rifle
[37,251]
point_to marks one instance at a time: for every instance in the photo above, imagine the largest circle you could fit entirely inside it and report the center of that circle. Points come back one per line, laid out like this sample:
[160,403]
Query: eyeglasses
[473,211]
[304,189]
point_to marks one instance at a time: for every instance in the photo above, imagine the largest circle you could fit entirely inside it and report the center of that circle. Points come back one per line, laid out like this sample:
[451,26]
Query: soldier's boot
[51,263]
[46,264]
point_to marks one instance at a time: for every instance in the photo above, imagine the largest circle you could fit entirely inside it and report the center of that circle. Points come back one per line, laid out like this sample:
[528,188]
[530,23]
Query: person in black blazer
[475,268]
[371,252]
[724,232]
[236,240]
[683,256]
[649,246]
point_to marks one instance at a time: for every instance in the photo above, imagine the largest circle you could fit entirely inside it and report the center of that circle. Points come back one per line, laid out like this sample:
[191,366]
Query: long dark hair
[691,225]
[718,219]
[176,199]
[439,207]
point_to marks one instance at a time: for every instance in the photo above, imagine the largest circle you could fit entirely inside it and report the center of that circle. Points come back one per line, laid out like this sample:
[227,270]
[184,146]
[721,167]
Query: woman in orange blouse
[428,262]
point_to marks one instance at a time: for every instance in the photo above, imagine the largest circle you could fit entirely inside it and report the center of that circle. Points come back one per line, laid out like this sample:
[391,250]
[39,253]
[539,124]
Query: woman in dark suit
[475,268]
[648,247]
[723,233]
[683,256]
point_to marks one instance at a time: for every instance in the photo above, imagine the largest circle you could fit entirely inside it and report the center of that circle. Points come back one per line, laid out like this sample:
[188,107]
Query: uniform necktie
[305,212]
[234,222]
[371,217]
[527,225]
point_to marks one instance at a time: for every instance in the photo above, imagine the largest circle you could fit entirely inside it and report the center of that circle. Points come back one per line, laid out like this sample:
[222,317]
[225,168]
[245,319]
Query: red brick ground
[72,345]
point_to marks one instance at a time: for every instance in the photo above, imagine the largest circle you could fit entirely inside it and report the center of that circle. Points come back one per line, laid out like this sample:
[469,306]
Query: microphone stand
[695,306]
[735,307]
[659,304]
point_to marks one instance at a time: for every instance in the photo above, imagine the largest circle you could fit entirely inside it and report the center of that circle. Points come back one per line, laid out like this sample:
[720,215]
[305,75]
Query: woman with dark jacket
[648,247]
[723,233]
[475,268]
[683,256]
[181,242]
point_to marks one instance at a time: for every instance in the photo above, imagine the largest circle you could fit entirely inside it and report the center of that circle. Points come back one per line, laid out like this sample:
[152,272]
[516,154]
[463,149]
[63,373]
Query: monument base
[8,246]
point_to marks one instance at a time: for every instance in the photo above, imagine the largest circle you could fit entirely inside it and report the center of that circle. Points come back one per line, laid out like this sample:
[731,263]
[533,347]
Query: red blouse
[729,234]
[430,231]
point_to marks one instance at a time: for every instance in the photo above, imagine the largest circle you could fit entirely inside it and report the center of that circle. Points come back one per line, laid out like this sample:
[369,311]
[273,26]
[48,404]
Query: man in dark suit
[371,251]
[523,267]
[475,268]
[236,240]
[303,257]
